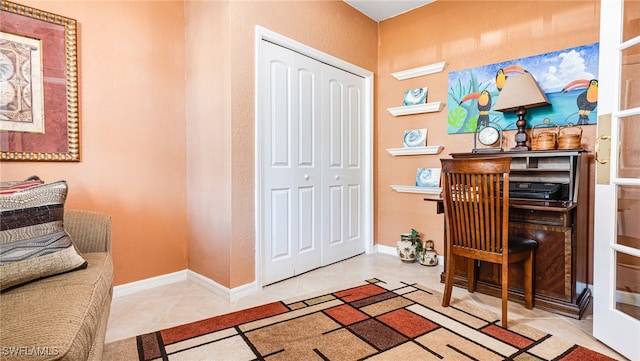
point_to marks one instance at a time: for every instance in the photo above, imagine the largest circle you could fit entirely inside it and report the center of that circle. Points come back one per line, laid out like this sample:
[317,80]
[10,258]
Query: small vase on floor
[409,246]
[428,256]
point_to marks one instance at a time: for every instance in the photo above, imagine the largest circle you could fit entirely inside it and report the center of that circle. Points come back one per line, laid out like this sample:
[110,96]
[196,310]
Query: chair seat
[519,244]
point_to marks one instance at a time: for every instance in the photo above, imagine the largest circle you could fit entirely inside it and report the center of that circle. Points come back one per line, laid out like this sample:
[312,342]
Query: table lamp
[519,93]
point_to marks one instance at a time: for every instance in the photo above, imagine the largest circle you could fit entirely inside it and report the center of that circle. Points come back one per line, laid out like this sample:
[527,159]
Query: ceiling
[379,10]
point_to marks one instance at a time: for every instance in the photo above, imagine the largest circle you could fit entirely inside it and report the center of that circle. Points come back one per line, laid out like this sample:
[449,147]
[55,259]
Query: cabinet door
[553,259]
[552,264]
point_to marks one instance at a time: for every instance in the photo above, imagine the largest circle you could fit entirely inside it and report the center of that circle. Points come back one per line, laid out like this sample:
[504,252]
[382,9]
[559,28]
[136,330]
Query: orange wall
[220,115]
[132,124]
[163,110]
[465,34]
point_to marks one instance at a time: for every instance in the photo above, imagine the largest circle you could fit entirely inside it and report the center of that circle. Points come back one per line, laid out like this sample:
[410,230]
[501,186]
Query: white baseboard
[625,297]
[381,248]
[230,295]
[137,286]
[628,298]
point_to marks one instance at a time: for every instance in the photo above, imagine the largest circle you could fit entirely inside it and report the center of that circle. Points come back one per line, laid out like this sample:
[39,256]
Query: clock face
[488,135]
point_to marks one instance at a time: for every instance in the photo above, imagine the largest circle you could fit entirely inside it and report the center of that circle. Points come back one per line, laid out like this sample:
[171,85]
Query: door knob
[306,177]
[337,177]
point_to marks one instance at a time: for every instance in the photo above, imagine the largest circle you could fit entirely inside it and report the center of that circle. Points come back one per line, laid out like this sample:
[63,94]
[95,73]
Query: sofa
[63,317]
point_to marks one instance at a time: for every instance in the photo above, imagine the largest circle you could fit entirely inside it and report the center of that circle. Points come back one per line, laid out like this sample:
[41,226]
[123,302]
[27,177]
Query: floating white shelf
[414,189]
[433,149]
[417,109]
[420,71]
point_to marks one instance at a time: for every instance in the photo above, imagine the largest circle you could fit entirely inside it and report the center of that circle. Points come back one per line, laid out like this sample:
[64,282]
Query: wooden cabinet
[559,226]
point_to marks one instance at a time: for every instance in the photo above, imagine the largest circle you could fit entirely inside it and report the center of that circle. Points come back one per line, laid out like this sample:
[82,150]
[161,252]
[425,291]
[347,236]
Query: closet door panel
[342,171]
[291,176]
[311,181]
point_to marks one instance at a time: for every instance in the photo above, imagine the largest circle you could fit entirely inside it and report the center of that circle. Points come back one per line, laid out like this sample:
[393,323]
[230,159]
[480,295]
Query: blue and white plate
[428,177]
[415,138]
[415,96]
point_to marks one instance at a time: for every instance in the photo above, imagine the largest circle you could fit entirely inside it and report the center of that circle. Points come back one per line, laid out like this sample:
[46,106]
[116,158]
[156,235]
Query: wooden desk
[559,227]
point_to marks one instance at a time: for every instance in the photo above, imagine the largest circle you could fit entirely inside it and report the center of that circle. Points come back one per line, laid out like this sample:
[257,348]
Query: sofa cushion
[33,243]
[57,318]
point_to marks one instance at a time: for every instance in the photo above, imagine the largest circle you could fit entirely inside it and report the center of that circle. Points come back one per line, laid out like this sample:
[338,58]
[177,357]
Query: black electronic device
[539,190]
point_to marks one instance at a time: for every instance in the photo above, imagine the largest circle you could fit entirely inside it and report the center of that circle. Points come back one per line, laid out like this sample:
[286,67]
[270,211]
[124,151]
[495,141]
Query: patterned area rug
[373,321]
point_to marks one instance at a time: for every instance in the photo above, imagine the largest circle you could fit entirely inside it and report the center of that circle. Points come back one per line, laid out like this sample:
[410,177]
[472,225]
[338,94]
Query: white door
[616,310]
[344,172]
[292,155]
[343,194]
[313,190]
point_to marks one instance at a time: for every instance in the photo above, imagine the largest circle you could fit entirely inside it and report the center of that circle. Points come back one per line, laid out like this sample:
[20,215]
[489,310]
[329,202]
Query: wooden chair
[477,221]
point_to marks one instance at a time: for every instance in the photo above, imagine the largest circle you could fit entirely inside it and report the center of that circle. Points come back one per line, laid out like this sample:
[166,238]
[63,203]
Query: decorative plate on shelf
[415,138]
[428,177]
[415,96]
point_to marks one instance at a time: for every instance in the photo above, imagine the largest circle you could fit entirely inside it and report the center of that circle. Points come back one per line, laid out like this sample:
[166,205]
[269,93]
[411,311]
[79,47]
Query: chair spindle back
[476,211]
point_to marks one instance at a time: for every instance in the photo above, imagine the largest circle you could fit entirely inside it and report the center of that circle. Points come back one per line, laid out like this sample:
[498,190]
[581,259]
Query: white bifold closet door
[311,182]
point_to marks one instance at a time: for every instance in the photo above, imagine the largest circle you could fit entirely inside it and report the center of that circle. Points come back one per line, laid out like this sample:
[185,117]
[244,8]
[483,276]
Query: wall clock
[490,138]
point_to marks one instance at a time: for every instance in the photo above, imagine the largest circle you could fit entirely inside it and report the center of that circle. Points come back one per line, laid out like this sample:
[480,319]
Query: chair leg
[472,275]
[505,293]
[528,280]
[448,280]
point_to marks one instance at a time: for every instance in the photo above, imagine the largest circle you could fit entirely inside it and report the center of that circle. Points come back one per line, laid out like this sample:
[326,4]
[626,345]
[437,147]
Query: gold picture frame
[55,37]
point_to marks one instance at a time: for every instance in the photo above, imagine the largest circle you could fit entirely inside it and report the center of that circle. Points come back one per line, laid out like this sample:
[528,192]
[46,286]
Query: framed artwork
[415,96]
[568,77]
[21,82]
[38,85]
[428,177]
[415,138]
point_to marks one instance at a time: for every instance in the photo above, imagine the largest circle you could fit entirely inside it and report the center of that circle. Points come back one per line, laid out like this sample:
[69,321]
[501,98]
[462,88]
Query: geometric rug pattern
[371,321]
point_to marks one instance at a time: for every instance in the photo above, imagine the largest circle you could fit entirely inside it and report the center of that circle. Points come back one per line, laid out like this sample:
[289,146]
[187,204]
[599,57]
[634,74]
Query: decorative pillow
[33,243]
[14,186]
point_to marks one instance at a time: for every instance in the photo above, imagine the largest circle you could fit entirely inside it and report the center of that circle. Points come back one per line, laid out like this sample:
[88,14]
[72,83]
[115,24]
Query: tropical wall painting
[568,77]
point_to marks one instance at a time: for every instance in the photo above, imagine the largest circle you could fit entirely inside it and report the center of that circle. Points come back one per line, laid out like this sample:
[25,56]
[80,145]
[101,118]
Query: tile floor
[188,301]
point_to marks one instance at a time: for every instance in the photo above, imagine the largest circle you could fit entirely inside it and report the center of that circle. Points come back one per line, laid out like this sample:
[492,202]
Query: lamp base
[521,135]
[520,148]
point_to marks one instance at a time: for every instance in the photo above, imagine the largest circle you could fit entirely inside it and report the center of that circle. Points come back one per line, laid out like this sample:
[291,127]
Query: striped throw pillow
[33,243]
[15,186]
